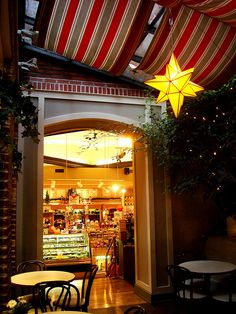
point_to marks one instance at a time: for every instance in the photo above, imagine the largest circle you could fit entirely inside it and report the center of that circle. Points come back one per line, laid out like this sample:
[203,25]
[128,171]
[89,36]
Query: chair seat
[186,294]
[55,292]
[78,283]
[195,282]
[224,297]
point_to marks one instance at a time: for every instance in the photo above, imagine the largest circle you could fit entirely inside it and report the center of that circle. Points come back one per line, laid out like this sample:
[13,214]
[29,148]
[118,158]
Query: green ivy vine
[13,104]
[199,147]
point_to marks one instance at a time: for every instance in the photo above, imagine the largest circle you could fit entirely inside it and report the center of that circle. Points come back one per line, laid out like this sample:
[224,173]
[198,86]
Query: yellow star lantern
[174,85]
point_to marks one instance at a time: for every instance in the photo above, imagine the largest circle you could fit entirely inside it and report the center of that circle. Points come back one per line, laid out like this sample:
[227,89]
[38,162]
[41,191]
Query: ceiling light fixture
[27,35]
[27,32]
[30,65]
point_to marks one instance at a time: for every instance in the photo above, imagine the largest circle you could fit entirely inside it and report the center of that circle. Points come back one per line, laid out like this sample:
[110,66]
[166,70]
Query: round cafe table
[66,312]
[33,277]
[209,267]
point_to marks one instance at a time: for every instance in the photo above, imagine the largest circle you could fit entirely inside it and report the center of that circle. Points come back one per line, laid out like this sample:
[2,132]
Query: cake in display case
[66,246]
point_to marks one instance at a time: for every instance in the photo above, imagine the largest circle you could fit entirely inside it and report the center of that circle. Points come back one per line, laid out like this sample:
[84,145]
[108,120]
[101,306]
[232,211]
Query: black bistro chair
[136,309]
[55,295]
[185,287]
[224,294]
[88,279]
[30,265]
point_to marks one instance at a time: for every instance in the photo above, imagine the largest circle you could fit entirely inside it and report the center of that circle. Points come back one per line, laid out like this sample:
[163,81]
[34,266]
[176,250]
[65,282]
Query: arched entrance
[60,112]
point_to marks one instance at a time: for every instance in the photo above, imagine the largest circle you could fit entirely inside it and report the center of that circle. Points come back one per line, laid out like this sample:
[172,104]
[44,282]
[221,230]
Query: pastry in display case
[66,246]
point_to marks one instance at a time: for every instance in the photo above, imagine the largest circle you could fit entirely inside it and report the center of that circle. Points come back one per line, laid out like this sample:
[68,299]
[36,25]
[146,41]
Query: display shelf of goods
[65,247]
[129,201]
[99,244]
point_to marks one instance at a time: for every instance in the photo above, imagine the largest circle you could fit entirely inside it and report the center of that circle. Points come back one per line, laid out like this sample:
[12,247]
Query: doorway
[88,192]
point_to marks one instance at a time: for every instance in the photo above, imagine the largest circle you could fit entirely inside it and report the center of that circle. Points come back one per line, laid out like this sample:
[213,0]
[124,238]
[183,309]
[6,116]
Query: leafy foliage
[17,307]
[13,104]
[199,148]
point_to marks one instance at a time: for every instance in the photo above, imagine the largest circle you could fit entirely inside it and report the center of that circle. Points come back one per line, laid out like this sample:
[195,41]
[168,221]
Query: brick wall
[7,222]
[83,87]
[57,76]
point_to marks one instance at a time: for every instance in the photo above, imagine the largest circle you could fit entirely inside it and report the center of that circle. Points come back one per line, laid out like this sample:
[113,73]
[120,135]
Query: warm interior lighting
[79,184]
[123,191]
[100,184]
[53,184]
[174,85]
[124,142]
[115,188]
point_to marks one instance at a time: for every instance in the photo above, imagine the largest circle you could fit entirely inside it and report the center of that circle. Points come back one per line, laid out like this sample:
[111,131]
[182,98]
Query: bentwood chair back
[30,265]
[88,279]
[136,309]
[56,295]
[183,284]
[225,290]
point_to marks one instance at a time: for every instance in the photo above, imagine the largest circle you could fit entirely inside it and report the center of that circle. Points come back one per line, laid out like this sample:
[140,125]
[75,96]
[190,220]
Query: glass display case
[66,246]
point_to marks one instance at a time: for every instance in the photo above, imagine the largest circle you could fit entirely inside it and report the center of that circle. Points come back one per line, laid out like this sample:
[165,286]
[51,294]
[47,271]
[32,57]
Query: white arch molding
[92,115]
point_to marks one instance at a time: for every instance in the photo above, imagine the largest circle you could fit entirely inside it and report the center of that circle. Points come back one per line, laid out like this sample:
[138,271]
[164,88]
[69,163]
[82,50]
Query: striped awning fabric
[201,34]
[223,10]
[103,34]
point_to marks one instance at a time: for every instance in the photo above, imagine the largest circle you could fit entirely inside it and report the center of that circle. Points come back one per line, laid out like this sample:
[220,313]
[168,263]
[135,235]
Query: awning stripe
[96,32]
[42,20]
[118,43]
[112,30]
[224,10]
[77,30]
[202,43]
[52,36]
[100,32]
[88,30]
[216,61]
[166,41]
[208,60]
[65,32]
[161,37]
[194,48]
[133,37]
[189,56]
[224,68]
[105,34]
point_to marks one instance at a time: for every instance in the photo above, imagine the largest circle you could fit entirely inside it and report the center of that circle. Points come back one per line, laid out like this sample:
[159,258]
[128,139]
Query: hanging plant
[14,105]
[199,147]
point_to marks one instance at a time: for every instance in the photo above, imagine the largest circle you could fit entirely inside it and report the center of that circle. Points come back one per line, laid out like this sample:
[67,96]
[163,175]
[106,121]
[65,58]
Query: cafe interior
[117,156]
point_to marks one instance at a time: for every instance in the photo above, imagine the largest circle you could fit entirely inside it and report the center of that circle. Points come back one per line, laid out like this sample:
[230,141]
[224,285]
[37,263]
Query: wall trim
[84,87]
[153,297]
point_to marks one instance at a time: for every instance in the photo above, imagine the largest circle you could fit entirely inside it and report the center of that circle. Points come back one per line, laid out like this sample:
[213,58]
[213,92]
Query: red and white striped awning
[201,34]
[104,34]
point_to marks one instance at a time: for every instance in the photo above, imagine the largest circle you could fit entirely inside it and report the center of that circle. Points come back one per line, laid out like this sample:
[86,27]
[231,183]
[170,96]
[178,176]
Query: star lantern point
[174,85]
